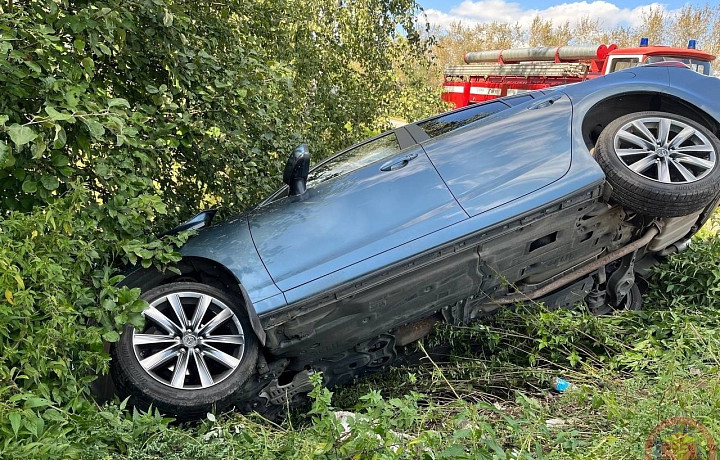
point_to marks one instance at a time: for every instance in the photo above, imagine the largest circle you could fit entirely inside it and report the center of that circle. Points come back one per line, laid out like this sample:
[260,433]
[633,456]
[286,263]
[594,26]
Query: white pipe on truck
[539,53]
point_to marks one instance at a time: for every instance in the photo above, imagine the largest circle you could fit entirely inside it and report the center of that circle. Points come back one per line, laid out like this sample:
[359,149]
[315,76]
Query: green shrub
[119,118]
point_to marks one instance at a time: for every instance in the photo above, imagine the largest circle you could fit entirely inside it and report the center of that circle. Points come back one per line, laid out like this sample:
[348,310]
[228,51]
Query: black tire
[192,394]
[671,194]
[632,301]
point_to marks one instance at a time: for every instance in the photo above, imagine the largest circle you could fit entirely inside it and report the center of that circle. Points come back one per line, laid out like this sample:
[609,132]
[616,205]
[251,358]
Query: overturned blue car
[564,197]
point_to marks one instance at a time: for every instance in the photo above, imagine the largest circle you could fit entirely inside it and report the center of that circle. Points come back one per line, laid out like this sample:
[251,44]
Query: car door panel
[504,158]
[356,216]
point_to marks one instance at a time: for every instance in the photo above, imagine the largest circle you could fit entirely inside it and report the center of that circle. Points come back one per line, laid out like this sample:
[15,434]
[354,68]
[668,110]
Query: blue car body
[521,158]
[475,205]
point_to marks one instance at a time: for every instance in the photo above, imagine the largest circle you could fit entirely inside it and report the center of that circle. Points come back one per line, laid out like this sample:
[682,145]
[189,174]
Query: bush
[120,118]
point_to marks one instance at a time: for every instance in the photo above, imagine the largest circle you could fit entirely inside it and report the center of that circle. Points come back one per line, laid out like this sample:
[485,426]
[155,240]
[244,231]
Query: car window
[517,100]
[454,120]
[697,65]
[624,63]
[355,158]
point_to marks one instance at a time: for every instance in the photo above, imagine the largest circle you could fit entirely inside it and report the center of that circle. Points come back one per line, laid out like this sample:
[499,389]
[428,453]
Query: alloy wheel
[665,150]
[190,340]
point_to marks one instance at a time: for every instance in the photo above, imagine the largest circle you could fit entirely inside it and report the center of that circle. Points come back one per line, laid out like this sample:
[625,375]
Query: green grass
[484,391]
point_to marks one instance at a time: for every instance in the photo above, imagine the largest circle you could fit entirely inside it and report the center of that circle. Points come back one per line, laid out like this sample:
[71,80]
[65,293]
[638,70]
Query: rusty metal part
[601,262]
[415,331]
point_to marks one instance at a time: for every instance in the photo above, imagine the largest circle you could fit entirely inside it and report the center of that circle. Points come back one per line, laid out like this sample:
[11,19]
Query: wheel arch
[610,108]
[200,270]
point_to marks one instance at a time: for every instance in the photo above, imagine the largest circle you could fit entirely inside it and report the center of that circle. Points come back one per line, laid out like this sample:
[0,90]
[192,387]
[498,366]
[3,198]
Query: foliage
[60,302]
[120,118]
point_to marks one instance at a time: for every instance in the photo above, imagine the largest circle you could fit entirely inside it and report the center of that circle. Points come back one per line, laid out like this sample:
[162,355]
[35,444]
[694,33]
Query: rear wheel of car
[632,301]
[660,164]
[195,350]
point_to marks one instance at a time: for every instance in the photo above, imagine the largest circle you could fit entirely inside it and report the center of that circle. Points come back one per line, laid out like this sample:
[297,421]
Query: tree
[544,33]
[587,31]
[654,26]
[119,118]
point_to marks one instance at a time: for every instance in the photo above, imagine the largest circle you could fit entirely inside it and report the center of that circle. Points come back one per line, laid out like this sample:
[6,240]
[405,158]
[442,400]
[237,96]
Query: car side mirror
[296,170]
[198,221]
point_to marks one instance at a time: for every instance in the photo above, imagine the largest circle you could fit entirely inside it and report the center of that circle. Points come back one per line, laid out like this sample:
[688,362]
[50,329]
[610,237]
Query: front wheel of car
[195,350]
[660,164]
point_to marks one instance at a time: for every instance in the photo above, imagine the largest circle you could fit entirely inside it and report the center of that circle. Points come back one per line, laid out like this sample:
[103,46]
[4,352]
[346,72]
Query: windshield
[697,65]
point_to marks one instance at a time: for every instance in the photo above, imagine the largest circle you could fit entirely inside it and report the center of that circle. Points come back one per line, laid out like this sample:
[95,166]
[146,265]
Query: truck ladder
[524,69]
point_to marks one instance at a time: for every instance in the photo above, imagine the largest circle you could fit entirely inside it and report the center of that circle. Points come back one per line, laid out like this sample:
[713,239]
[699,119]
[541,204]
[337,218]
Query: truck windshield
[697,65]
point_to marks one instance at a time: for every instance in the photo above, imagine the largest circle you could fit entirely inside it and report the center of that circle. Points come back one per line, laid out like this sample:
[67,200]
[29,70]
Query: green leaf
[104,48]
[96,128]
[15,419]
[58,160]
[102,170]
[57,116]
[34,401]
[21,135]
[87,63]
[79,45]
[37,149]
[31,423]
[118,101]
[60,137]
[111,336]
[6,158]
[50,182]
[34,66]
[29,186]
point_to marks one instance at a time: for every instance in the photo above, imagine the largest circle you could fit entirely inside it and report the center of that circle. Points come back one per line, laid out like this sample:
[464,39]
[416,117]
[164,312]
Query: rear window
[457,119]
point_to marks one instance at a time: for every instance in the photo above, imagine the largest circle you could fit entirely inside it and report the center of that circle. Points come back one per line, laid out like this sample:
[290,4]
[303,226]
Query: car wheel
[632,301]
[195,350]
[660,164]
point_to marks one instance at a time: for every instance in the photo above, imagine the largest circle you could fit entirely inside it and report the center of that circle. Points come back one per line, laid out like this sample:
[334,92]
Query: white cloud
[443,20]
[484,11]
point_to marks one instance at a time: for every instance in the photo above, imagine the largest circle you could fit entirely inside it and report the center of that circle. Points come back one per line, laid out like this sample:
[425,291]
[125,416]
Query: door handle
[541,104]
[398,163]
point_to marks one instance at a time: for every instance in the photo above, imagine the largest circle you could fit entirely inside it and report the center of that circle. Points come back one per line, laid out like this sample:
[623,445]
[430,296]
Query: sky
[610,12]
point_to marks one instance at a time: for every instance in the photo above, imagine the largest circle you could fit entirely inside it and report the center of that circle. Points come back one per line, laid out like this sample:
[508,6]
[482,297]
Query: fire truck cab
[625,58]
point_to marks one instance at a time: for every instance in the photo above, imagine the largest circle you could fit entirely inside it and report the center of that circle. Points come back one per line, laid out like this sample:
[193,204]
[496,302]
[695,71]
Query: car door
[498,158]
[372,198]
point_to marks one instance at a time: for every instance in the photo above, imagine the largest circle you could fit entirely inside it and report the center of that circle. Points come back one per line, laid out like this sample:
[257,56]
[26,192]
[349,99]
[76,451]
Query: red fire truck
[490,74]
